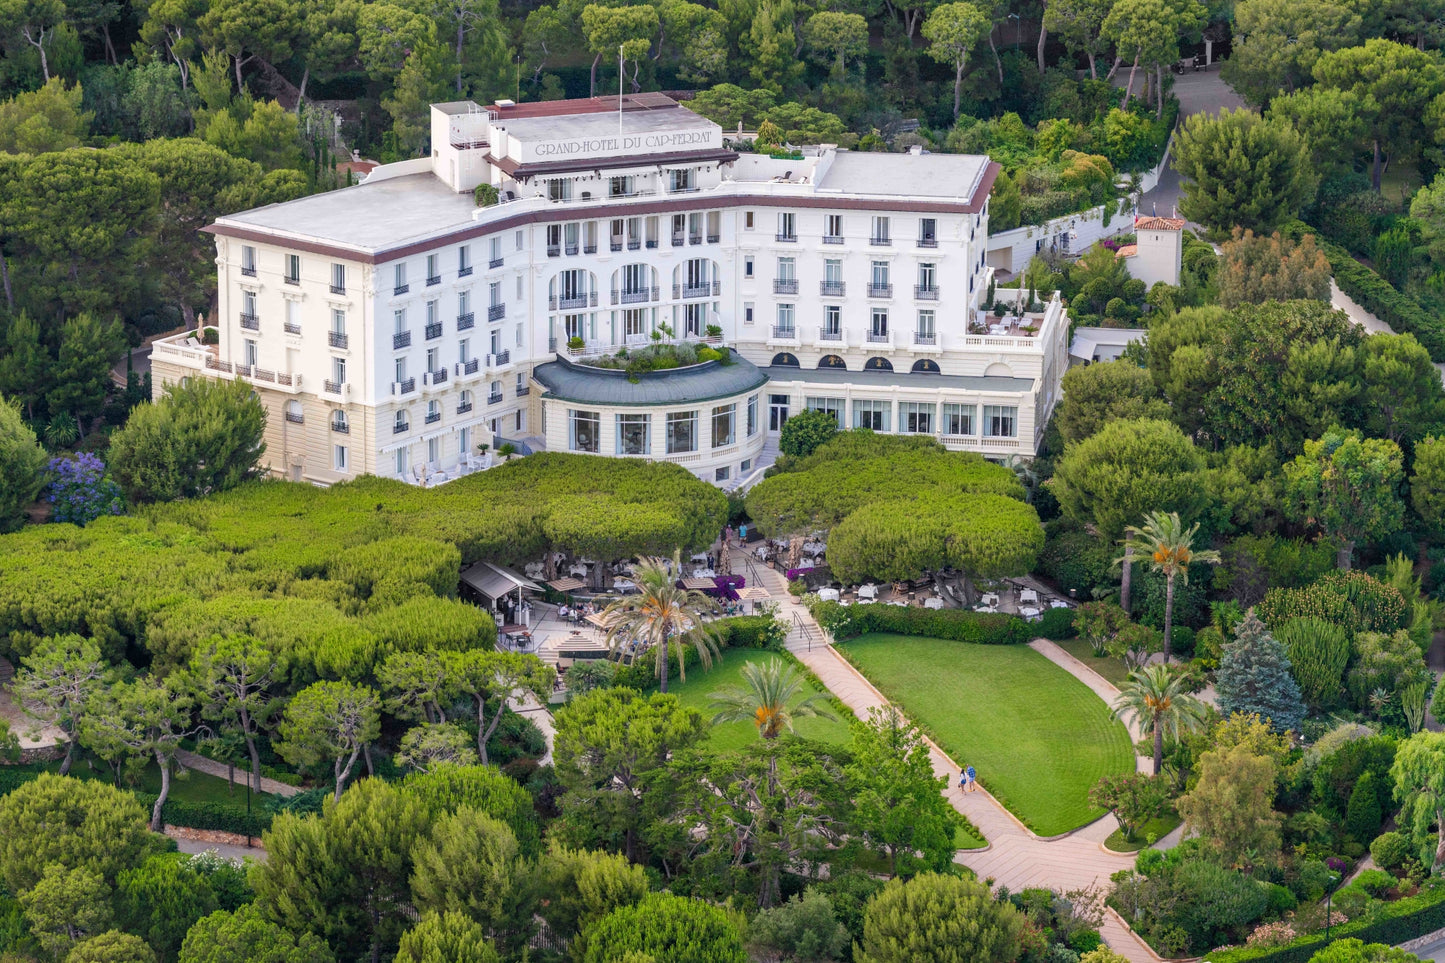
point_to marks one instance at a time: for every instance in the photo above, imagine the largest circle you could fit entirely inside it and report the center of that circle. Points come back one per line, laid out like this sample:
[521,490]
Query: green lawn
[1038,737]
[1157,828]
[1109,667]
[193,787]
[727,671]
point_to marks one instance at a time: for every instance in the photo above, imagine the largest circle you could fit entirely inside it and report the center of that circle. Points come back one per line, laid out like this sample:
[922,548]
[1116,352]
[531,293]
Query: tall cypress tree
[1254,677]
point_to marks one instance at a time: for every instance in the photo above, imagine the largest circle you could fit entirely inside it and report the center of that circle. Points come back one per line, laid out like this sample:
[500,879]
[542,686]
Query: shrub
[1376,882]
[1318,652]
[1363,815]
[1057,624]
[1390,850]
[1353,600]
[983,628]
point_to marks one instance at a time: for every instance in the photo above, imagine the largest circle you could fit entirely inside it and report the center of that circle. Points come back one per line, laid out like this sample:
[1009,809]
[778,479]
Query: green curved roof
[582,384]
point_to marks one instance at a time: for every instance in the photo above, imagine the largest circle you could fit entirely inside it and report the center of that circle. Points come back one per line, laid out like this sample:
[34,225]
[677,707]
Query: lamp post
[1329,897]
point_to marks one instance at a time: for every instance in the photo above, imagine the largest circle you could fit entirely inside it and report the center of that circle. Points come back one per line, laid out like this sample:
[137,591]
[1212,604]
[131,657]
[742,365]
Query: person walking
[972,778]
[963,780]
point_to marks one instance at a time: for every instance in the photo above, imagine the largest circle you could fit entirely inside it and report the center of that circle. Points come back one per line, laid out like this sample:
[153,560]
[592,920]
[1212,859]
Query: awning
[698,584]
[569,584]
[494,581]
[754,593]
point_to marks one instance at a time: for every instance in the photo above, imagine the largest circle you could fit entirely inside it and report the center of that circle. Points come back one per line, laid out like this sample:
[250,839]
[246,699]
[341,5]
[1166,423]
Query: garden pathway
[220,770]
[529,708]
[1015,857]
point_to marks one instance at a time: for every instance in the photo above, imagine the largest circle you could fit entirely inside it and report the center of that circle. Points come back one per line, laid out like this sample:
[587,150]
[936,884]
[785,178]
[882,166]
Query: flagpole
[620,62]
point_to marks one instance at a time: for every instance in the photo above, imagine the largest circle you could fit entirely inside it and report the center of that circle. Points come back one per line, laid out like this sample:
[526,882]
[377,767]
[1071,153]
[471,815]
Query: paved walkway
[529,708]
[1015,857]
[220,770]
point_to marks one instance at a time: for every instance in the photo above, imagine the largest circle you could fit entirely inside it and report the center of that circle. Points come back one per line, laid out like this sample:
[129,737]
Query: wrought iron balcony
[832,239]
[249,272]
[496,262]
[928,242]
[402,339]
[635,296]
[881,241]
[832,289]
[464,272]
[250,322]
[433,331]
[496,312]
[337,339]
[502,358]
[341,427]
[437,377]
[785,285]
[616,244]
[466,321]
[880,290]
[830,334]
[703,290]
[291,327]
[338,289]
[295,418]
[332,387]
[494,399]
[434,280]
[464,407]
[470,367]
[575,301]
[791,238]
[433,417]
[925,292]
[926,339]
[785,332]
[400,289]
[879,337]
[403,387]
[400,427]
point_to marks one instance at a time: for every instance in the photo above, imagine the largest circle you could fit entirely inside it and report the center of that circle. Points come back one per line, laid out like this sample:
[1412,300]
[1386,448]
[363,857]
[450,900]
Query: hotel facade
[394,327]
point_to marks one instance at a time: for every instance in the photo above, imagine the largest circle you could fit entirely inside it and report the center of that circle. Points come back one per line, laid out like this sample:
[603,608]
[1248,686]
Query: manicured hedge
[1379,297]
[740,632]
[983,628]
[218,816]
[1396,922]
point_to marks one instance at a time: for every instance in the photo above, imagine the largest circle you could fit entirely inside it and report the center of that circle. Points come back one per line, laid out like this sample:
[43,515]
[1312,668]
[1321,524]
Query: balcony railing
[703,290]
[296,418]
[403,387]
[714,238]
[338,289]
[496,312]
[616,244]
[785,332]
[249,272]
[832,289]
[925,292]
[785,285]
[881,241]
[435,279]
[332,387]
[291,327]
[791,238]
[678,240]
[495,398]
[572,248]
[292,279]
[589,249]
[576,301]
[880,290]
[635,296]
[928,339]
[400,289]
[634,243]
[433,417]
[341,427]
[437,377]
[433,331]
[464,407]
[402,339]
[502,358]
[337,339]
[523,390]
[928,242]
[830,334]
[694,239]
[400,427]
[832,239]
[469,367]
[465,322]
[250,322]
[464,272]
[879,337]
[495,263]
[652,244]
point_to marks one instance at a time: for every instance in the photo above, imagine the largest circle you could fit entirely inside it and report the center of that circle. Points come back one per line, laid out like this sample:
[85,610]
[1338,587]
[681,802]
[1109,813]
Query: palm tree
[764,697]
[1169,548]
[1155,697]
[662,616]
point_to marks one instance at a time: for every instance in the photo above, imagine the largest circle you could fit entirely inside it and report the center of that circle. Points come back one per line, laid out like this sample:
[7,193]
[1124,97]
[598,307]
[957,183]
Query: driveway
[1200,92]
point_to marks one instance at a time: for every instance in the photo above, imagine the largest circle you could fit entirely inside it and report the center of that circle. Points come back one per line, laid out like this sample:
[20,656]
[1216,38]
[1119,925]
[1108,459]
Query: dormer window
[559,190]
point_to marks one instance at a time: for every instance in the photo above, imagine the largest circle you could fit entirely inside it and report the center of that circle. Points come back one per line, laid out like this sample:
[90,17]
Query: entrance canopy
[494,581]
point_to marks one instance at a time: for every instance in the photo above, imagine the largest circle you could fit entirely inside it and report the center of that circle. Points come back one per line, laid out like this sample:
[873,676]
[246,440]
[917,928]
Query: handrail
[803,628]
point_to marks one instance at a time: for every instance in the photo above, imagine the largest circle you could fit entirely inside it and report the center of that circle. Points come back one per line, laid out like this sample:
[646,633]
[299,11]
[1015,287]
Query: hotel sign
[614,145]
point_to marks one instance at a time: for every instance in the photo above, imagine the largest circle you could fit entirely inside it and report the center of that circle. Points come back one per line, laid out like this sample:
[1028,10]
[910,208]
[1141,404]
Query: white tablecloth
[578,571]
[867,591]
[933,603]
[703,573]
[1028,611]
[1028,595]
[624,585]
[828,594]
[1058,604]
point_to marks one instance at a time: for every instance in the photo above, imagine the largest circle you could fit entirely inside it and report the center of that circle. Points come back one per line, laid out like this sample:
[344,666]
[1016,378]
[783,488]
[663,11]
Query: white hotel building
[393,327]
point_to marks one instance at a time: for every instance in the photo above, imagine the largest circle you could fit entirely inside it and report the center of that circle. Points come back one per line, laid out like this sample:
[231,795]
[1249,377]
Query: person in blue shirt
[972,779]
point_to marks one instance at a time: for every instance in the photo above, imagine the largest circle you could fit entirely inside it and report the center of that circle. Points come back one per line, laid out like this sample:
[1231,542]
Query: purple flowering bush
[793,574]
[80,491]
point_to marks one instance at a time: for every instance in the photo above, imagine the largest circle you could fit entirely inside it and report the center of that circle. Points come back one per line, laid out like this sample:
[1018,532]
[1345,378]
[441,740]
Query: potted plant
[575,344]
[486,195]
[506,451]
[714,331]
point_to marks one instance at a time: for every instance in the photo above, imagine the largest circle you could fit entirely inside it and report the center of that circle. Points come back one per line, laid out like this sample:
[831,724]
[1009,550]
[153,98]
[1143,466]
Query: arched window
[785,360]
[878,364]
[925,366]
[832,361]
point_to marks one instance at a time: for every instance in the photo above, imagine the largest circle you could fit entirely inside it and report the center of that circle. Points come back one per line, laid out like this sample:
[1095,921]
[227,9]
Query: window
[293,316]
[681,432]
[878,329]
[880,231]
[431,359]
[786,269]
[250,356]
[724,424]
[958,420]
[401,422]
[787,226]
[338,371]
[464,303]
[621,187]
[722,474]
[293,269]
[1000,421]
[433,450]
[747,267]
[248,260]
[401,461]
[634,323]
[582,430]
[517,238]
[433,315]
[926,326]
[464,350]
[680,180]
[464,260]
[338,458]
[464,441]
[339,422]
[748,220]
[559,190]
[400,369]
[915,417]
[338,321]
[634,434]
[833,271]
[785,317]
[338,279]
[495,244]
[433,272]
[398,318]
[433,413]
[832,321]
[752,415]
[872,414]
[833,228]
[927,277]
[248,305]
[832,406]
[747,312]
[399,278]
[878,276]
[927,232]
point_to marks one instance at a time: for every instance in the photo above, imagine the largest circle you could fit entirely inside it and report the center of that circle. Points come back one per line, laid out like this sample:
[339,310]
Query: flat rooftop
[905,175]
[600,124]
[369,217]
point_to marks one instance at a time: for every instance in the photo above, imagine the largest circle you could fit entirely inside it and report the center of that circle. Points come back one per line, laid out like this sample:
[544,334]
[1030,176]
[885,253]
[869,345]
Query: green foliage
[56,821]
[1097,394]
[1126,469]
[160,899]
[66,906]
[1348,486]
[329,722]
[898,807]
[983,628]
[468,865]
[44,120]
[247,936]
[1254,678]
[1390,850]
[22,462]
[197,439]
[446,938]
[1260,268]
[1384,665]
[483,789]
[584,886]
[807,431]
[943,918]
[1241,169]
[112,946]
[1318,653]
[668,929]
[803,928]
[1353,600]
[1363,816]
